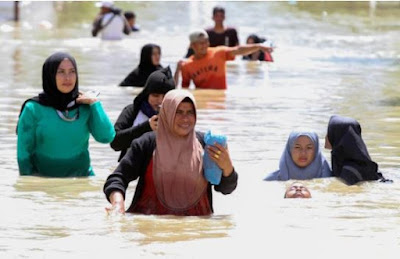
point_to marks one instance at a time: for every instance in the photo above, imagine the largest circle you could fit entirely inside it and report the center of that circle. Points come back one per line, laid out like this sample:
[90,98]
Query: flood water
[331,58]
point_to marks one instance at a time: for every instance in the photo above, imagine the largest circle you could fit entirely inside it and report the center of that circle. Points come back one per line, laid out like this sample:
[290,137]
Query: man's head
[130,17]
[297,190]
[218,14]
[105,6]
[199,42]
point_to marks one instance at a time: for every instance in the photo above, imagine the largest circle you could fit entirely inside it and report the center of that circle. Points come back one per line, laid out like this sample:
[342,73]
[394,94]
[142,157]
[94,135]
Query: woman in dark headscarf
[258,55]
[54,127]
[149,62]
[350,157]
[141,116]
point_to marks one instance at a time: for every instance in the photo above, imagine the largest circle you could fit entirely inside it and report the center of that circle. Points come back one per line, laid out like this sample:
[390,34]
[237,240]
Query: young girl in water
[149,62]
[141,116]
[301,159]
[350,159]
[54,127]
[169,165]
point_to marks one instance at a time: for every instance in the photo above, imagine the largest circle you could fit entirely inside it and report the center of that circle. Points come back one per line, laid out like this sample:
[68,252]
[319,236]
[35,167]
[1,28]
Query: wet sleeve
[185,77]
[100,125]
[227,184]
[227,54]
[224,53]
[26,140]
[132,166]
[125,132]
[96,26]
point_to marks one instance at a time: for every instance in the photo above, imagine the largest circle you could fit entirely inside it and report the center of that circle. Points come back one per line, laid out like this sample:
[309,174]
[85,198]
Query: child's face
[328,144]
[303,151]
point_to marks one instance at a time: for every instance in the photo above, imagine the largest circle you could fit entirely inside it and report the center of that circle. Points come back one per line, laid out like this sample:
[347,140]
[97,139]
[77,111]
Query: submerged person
[302,159]
[258,55]
[206,67]
[150,57]
[169,165]
[297,191]
[54,127]
[350,158]
[141,116]
[109,22]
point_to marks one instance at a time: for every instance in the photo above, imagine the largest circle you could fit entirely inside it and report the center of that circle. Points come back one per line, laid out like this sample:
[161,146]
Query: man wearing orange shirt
[206,67]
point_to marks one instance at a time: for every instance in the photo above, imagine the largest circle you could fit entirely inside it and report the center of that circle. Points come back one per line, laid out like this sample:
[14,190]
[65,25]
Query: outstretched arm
[249,49]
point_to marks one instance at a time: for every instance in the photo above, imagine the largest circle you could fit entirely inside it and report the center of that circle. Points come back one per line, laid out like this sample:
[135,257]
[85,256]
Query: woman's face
[297,190]
[185,119]
[250,41]
[66,76]
[155,101]
[155,56]
[303,151]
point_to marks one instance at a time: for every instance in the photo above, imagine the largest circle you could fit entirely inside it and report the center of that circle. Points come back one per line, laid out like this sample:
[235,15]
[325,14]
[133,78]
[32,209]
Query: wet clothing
[138,162]
[139,75]
[50,146]
[112,26]
[228,38]
[126,131]
[53,130]
[318,168]
[208,72]
[133,121]
[350,157]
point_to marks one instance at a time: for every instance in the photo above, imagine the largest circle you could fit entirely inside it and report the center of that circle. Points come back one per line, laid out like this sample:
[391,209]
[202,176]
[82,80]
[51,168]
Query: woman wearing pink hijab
[169,165]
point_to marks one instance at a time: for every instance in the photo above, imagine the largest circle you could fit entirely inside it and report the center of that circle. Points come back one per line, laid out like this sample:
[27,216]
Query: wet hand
[117,204]
[85,99]
[220,156]
[153,122]
[266,49]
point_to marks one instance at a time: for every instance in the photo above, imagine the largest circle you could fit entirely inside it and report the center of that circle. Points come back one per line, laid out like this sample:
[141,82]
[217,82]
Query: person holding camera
[110,23]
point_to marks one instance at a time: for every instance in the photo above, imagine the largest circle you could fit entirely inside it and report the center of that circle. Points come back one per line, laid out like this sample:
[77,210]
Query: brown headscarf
[178,162]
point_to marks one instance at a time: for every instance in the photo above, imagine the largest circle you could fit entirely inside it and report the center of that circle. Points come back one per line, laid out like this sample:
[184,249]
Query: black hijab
[139,76]
[51,96]
[159,82]
[350,157]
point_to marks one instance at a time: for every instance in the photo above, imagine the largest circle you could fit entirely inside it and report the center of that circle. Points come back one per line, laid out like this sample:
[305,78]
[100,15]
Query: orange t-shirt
[208,72]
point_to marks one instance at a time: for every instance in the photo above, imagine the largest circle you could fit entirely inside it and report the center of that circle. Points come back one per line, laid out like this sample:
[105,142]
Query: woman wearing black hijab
[149,62]
[54,127]
[350,157]
[141,116]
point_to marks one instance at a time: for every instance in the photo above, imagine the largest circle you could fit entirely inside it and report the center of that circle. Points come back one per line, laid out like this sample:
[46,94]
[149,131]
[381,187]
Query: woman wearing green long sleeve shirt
[54,127]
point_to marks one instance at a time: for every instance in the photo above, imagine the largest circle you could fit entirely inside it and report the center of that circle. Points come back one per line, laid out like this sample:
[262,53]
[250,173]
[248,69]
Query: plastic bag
[212,172]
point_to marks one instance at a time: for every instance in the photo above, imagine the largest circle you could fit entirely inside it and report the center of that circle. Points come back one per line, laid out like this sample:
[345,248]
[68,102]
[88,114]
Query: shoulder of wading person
[125,131]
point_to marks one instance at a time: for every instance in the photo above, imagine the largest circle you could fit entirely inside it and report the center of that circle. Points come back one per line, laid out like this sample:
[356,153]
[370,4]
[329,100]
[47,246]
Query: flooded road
[331,58]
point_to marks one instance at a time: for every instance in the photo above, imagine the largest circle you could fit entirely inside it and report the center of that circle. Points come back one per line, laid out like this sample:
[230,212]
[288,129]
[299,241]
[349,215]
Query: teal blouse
[51,146]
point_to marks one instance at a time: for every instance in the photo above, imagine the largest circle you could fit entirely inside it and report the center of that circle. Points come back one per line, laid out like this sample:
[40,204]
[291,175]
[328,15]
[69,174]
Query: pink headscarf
[178,162]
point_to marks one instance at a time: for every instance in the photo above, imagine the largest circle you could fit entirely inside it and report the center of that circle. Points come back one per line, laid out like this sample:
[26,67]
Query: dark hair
[129,15]
[187,100]
[218,9]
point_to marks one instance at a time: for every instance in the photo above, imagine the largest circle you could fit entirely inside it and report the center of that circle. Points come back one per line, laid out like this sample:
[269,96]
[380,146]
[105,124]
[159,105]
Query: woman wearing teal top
[54,127]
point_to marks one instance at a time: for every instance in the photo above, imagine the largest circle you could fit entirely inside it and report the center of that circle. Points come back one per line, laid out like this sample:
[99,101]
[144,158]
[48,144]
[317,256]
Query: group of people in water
[157,137]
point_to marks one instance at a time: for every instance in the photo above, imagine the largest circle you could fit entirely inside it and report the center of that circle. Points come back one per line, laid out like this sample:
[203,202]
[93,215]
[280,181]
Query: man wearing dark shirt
[219,35]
